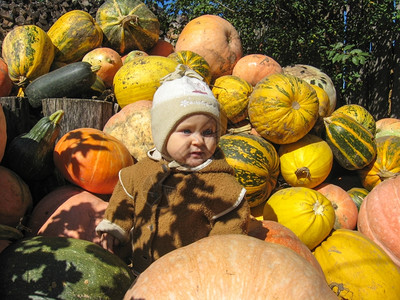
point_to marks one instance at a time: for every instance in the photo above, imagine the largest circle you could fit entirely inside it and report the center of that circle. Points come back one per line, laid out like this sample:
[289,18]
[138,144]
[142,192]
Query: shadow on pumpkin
[60,268]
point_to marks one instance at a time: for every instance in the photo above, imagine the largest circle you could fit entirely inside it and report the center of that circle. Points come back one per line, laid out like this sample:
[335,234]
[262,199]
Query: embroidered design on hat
[186,103]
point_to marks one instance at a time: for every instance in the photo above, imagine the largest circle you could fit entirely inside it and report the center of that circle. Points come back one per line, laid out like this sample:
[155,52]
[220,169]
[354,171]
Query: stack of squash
[323,179]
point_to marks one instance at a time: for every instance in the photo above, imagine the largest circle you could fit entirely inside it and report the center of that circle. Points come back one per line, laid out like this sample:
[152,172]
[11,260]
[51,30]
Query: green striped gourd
[128,25]
[45,267]
[74,34]
[256,164]
[360,114]
[28,53]
[352,144]
[385,166]
[194,61]
[357,194]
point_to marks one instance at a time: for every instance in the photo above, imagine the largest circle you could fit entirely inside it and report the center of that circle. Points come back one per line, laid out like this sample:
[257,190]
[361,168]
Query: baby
[184,190]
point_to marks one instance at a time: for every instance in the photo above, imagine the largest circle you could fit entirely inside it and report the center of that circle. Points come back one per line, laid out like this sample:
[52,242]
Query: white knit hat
[181,94]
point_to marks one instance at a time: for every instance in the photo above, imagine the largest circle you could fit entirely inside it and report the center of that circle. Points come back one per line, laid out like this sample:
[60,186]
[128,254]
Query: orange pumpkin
[68,211]
[231,267]
[109,61]
[215,39]
[132,126]
[254,67]
[5,80]
[15,197]
[308,213]
[346,211]
[91,159]
[3,132]
[162,48]
[387,126]
[274,232]
[379,218]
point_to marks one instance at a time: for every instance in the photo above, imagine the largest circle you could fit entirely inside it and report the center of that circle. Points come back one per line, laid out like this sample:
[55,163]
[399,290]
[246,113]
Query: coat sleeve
[118,217]
[235,221]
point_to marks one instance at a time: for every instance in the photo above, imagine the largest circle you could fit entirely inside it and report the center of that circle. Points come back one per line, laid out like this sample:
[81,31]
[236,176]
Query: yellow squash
[308,213]
[356,268]
[306,162]
[139,78]
[283,108]
[28,53]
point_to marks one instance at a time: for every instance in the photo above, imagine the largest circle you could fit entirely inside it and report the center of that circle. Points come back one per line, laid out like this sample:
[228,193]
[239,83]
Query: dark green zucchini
[69,81]
[30,155]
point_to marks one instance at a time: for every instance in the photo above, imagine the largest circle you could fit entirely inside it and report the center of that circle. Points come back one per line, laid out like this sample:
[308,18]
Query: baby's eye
[186,131]
[208,132]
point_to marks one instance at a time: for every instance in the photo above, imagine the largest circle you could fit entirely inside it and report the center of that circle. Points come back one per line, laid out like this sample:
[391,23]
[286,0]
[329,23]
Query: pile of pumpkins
[309,236]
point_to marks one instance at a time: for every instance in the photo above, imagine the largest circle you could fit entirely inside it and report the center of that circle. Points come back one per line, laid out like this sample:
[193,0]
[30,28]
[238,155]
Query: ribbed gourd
[283,108]
[74,34]
[353,145]
[139,78]
[357,194]
[232,93]
[128,25]
[28,53]
[385,166]
[255,162]
[194,61]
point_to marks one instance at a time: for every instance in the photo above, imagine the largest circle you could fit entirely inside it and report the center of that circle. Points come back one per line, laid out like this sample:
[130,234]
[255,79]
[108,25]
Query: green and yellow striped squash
[256,164]
[74,34]
[283,108]
[139,78]
[353,145]
[232,93]
[360,114]
[386,165]
[28,53]
[128,25]
[194,61]
[49,267]
[357,194]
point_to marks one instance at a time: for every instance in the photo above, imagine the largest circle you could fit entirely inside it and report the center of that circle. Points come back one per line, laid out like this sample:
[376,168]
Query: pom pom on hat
[181,94]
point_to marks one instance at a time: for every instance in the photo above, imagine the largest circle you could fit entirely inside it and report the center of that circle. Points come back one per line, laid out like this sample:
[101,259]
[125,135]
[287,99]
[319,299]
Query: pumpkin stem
[128,19]
[318,208]
[383,174]
[303,172]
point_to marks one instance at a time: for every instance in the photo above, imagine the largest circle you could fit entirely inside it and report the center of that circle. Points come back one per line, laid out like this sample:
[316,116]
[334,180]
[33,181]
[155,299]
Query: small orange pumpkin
[109,61]
[274,232]
[346,211]
[162,48]
[254,67]
[91,159]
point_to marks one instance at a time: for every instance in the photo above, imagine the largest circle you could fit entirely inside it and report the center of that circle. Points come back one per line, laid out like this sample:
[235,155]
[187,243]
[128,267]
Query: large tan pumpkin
[379,219]
[68,211]
[231,267]
[132,126]
[215,39]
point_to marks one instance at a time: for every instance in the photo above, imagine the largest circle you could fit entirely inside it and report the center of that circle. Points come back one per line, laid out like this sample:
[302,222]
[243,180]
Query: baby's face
[193,141]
